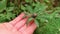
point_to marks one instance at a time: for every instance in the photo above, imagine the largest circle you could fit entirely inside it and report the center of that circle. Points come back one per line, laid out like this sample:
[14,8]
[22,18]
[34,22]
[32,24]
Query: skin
[18,26]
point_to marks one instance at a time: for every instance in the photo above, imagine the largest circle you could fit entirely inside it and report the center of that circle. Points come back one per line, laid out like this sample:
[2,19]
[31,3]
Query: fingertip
[34,26]
[31,28]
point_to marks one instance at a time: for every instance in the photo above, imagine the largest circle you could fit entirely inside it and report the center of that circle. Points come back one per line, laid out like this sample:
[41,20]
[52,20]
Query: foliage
[8,11]
[48,13]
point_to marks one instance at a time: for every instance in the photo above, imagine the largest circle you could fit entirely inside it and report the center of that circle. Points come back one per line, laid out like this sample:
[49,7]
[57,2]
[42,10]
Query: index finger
[17,19]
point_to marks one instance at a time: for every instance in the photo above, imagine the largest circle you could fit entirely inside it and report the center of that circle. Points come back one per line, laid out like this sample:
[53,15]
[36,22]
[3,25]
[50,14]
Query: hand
[18,26]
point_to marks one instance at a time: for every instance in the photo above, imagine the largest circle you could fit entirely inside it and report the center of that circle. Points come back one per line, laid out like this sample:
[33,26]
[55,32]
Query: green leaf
[28,0]
[29,8]
[28,21]
[39,7]
[10,9]
[37,23]
[2,5]
[23,8]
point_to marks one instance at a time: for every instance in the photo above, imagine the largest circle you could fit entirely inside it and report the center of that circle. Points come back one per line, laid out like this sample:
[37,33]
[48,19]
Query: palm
[18,26]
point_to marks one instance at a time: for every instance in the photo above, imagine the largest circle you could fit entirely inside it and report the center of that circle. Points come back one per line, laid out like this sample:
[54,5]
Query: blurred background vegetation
[48,13]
